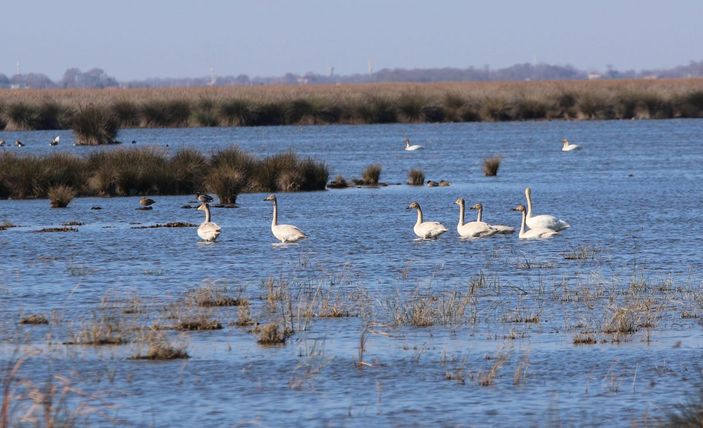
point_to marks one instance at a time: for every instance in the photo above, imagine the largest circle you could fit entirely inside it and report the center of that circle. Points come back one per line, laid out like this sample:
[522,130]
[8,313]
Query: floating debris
[172,224]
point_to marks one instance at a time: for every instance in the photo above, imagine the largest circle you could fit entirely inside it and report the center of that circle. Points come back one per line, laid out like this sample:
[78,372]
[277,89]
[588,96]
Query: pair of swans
[478,228]
[286,233]
[540,226]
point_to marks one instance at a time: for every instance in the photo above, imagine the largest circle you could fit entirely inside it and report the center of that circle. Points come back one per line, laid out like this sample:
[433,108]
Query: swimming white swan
[532,233]
[411,147]
[498,227]
[283,232]
[426,229]
[208,230]
[55,141]
[472,229]
[567,146]
[543,221]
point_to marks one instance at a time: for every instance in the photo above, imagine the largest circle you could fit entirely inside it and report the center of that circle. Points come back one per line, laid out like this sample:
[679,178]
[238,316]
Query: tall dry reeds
[94,125]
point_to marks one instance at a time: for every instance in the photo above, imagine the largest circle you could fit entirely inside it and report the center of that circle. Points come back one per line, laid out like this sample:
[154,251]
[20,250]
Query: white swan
[472,229]
[283,232]
[532,233]
[567,146]
[55,141]
[411,147]
[498,227]
[543,221]
[208,230]
[426,229]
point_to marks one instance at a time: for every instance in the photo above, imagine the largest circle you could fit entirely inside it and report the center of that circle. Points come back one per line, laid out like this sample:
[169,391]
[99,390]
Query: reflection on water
[632,195]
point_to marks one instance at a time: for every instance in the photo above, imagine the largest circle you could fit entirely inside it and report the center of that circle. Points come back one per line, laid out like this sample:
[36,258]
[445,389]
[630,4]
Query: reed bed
[356,103]
[125,172]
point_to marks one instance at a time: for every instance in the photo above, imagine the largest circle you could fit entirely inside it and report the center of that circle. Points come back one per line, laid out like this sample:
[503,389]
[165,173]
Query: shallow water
[632,194]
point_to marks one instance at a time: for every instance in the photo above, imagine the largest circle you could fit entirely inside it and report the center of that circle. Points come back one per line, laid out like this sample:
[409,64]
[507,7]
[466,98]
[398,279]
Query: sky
[138,39]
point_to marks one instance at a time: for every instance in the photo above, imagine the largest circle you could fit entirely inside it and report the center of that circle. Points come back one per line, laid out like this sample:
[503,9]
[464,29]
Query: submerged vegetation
[125,172]
[96,114]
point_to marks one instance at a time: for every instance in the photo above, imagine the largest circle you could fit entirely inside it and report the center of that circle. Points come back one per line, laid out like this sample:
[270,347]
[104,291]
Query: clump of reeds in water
[60,196]
[34,319]
[272,334]
[213,296]
[372,174]
[226,182]
[338,183]
[491,165]
[159,347]
[94,125]
[416,177]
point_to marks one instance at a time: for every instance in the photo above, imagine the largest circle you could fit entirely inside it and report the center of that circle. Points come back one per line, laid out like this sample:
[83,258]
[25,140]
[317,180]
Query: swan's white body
[411,147]
[568,147]
[426,229]
[543,221]
[532,233]
[283,232]
[472,229]
[208,231]
[499,228]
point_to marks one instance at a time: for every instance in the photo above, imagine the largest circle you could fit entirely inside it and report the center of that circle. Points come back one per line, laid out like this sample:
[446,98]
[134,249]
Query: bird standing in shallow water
[208,231]
[283,232]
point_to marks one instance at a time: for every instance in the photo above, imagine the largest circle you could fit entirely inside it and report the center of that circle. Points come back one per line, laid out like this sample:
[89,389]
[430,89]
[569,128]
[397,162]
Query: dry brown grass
[491,165]
[272,334]
[157,346]
[34,319]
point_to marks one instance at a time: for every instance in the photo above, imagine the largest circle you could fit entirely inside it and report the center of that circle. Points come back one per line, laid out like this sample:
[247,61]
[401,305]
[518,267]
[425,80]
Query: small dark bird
[55,141]
[146,202]
[134,141]
[204,198]
[18,143]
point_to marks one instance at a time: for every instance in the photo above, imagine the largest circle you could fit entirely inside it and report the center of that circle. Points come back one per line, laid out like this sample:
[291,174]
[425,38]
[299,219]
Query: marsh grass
[488,377]
[60,196]
[372,174]
[581,252]
[149,171]
[94,125]
[491,165]
[584,339]
[416,177]
[155,345]
[272,334]
[34,319]
[338,183]
[211,295]
[102,329]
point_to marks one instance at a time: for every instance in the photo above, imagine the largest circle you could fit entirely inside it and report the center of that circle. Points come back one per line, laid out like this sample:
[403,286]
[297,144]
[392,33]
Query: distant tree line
[97,78]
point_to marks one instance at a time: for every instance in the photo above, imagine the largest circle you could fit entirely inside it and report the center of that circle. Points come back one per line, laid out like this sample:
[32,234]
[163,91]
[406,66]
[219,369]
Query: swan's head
[459,201]
[414,205]
[564,141]
[520,207]
[202,207]
[528,192]
[270,197]
[476,207]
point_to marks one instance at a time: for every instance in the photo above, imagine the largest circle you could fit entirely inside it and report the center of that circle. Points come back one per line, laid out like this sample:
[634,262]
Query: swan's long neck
[208,218]
[461,214]
[523,223]
[528,196]
[274,222]
[479,215]
[419,216]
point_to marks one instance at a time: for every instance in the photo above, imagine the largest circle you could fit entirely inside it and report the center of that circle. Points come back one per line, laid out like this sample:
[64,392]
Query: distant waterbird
[498,227]
[568,147]
[203,197]
[18,143]
[2,143]
[411,147]
[55,141]
[146,203]
[472,229]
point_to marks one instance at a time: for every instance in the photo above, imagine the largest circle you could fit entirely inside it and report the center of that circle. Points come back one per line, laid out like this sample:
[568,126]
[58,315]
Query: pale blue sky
[136,39]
